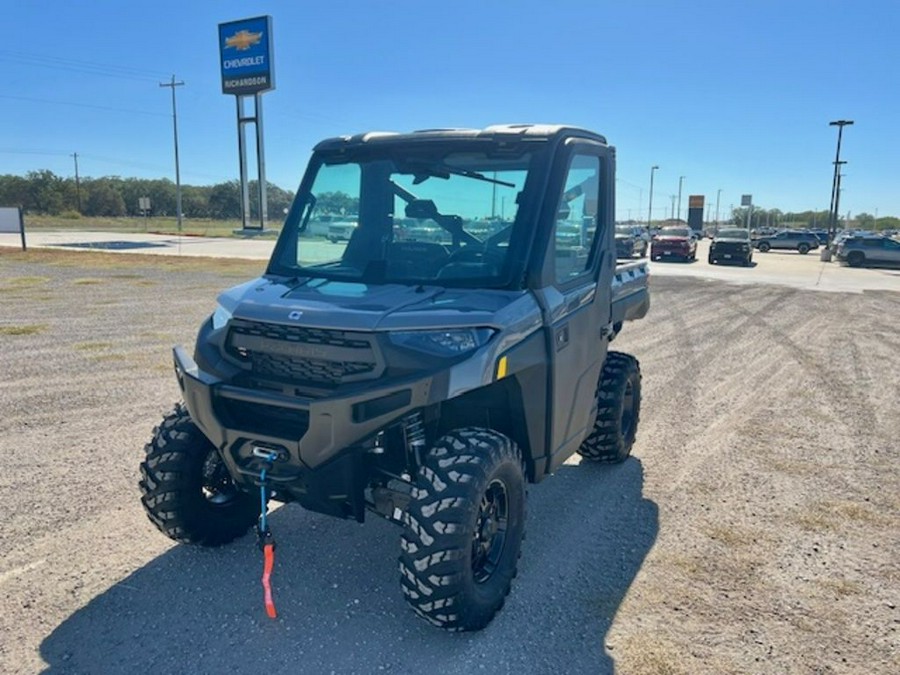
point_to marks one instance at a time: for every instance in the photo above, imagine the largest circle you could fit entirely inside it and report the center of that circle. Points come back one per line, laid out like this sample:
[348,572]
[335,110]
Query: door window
[576,218]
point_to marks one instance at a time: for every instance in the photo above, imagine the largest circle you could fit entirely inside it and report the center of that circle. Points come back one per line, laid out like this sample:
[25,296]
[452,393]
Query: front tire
[856,259]
[463,529]
[803,249]
[618,410]
[186,489]
[764,246]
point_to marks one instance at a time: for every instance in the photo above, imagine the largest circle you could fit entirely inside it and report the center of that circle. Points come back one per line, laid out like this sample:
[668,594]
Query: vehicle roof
[496,132]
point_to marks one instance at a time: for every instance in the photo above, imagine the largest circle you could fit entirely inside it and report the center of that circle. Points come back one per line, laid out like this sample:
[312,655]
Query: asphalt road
[739,538]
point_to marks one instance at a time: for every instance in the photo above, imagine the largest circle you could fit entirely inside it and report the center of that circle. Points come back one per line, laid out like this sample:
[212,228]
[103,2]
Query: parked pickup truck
[423,381]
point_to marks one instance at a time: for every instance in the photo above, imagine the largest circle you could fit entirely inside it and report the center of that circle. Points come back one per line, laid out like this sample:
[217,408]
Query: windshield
[408,215]
[674,232]
[623,229]
[733,234]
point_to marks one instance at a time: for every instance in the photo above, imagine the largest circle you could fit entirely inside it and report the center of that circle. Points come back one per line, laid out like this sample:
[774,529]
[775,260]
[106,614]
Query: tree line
[810,219]
[45,193]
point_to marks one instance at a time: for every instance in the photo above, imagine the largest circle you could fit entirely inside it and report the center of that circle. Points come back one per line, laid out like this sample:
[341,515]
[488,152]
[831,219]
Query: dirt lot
[754,530]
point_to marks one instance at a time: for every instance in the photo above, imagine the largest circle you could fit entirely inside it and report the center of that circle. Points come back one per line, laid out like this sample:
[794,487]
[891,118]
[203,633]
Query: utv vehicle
[423,381]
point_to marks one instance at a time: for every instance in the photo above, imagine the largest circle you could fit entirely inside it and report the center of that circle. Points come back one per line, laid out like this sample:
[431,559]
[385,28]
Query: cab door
[580,269]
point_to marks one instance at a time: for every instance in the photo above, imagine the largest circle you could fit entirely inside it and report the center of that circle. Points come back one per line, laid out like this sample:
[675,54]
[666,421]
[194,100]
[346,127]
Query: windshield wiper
[444,171]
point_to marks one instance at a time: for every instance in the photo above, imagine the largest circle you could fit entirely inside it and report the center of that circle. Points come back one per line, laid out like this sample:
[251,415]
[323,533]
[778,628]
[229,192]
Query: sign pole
[261,164]
[242,157]
[245,58]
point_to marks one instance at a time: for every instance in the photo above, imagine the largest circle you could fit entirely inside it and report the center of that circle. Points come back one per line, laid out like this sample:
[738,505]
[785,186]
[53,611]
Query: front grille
[296,354]
[729,247]
[313,336]
[307,370]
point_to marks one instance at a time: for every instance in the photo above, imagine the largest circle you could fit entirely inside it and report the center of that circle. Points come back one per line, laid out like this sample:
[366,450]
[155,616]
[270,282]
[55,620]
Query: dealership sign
[245,56]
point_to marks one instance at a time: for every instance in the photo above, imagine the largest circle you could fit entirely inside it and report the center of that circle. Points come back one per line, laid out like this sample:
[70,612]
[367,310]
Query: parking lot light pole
[650,206]
[835,193]
[680,183]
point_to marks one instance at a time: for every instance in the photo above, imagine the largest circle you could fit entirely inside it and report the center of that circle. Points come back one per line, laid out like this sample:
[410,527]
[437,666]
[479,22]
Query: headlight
[452,342]
[745,247]
[220,317]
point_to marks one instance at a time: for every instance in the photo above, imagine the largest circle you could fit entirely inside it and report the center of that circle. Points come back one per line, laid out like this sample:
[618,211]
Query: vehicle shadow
[729,263]
[340,609]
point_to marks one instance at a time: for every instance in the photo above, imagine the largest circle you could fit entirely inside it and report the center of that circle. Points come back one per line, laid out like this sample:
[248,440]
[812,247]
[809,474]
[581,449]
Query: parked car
[821,235]
[731,245]
[341,230]
[674,242]
[630,241]
[859,251]
[844,235]
[789,240]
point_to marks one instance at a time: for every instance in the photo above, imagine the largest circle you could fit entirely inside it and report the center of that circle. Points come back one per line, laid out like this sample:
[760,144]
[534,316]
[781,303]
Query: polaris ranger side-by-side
[452,350]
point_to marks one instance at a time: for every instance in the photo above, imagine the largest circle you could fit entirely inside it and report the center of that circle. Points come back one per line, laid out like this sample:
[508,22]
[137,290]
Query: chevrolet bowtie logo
[243,40]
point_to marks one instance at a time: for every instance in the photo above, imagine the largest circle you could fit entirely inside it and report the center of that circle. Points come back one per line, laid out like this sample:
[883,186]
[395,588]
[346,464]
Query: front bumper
[307,434]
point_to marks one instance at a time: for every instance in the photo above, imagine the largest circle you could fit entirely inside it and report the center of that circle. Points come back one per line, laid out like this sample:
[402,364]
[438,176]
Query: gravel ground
[754,530]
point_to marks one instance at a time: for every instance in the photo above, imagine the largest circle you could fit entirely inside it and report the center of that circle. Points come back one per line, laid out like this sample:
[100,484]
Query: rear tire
[803,249]
[618,410]
[711,260]
[764,246]
[463,529]
[186,489]
[856,259]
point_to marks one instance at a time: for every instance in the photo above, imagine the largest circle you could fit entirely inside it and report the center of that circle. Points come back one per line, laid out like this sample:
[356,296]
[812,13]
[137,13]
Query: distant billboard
[245,56]
[746,200]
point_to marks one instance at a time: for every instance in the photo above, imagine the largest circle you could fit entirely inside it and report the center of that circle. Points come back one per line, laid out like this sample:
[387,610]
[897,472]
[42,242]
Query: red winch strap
[269,553]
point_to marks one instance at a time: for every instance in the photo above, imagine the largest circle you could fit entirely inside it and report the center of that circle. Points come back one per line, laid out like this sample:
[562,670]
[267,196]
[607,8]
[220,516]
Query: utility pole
[680,182]
[836,181]
[77,181]
[718,194]
[174,84]
[650,207]
[672,197]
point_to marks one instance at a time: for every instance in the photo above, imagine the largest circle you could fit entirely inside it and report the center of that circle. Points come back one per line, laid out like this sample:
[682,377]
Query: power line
[74,65]
[83,105]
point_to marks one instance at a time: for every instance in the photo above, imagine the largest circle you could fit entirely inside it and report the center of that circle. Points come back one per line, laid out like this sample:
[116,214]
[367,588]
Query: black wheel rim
[216,485]
[489,537]
[628,409]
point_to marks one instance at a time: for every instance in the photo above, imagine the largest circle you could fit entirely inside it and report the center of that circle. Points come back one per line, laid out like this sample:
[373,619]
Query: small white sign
[10,221]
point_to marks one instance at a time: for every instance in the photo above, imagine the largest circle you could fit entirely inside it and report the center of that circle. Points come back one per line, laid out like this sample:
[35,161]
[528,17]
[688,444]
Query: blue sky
[733,96]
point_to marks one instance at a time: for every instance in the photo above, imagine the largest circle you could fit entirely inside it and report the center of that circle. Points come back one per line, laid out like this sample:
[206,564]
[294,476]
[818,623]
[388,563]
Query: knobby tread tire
[172,487]
[436,574]
[607,442]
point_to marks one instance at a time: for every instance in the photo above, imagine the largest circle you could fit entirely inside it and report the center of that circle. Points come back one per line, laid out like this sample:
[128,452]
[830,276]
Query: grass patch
[87,282]
[93,346]
[27,281]
[835,515]
[842,588]
[108,357]
[32,329]
[101,260]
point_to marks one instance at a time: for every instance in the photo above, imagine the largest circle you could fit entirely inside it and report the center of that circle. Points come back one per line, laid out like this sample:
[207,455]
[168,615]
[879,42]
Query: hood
[341,305]
[670,237]
[737,240]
